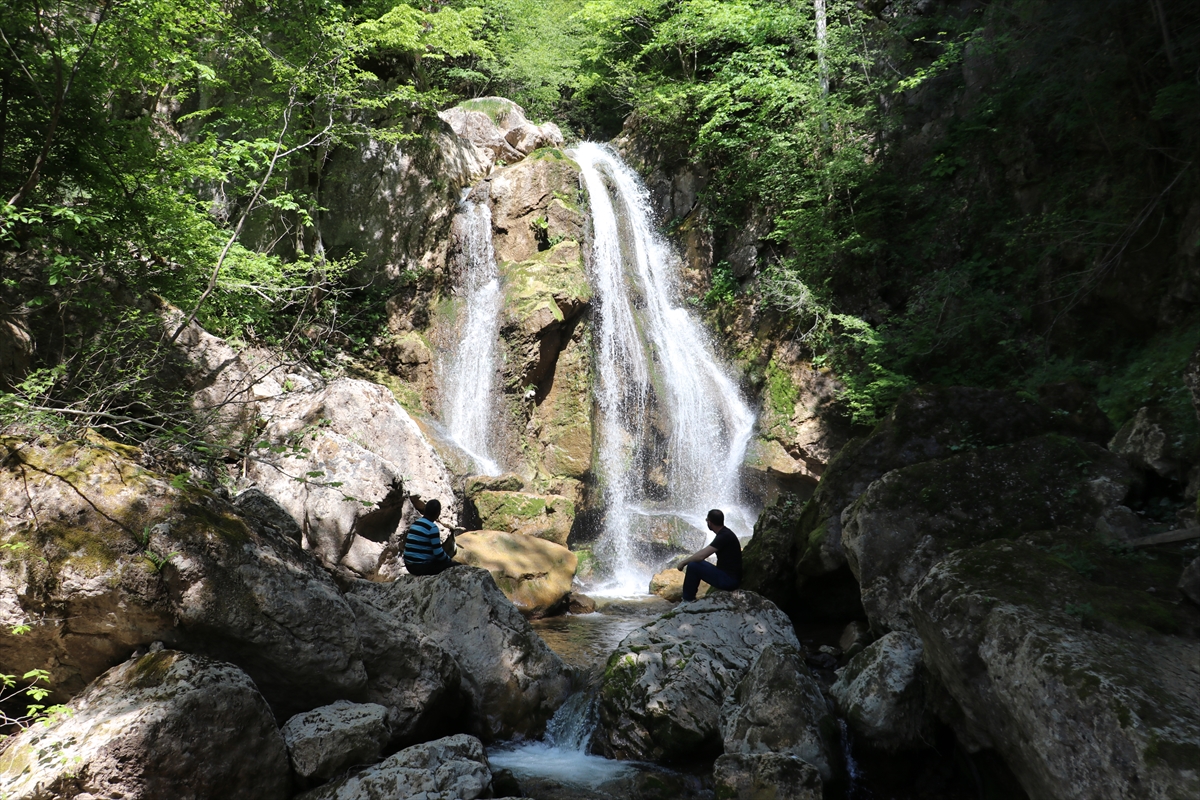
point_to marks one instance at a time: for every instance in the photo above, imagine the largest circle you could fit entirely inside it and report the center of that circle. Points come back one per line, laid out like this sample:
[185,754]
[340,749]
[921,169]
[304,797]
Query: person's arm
[699,555]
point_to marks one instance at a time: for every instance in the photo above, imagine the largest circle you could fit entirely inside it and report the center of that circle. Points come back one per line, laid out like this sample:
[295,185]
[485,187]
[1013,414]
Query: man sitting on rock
[424,553]
[727,574]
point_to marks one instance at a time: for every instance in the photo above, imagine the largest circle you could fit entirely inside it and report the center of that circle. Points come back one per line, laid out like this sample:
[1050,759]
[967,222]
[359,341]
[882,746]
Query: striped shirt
[423,543]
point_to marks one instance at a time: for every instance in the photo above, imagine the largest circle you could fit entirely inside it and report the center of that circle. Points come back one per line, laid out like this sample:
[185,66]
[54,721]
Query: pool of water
[585,640]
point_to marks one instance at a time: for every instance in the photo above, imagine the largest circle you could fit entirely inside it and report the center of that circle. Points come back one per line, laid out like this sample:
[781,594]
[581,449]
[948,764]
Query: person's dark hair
[716,516]
[432,509]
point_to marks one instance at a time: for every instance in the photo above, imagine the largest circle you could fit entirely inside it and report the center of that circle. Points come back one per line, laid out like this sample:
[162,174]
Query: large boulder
[912,517]
[1077,684]
[665,684]
[484,121]
[881,694]
[322,742]
[1153,441]
[104,556]
[535,204]
[453,768]
[409,674]
[778,708]
[766,776]
[341,461]
[167,724]
[794,546]
[533,573]
[513,682]
[548,517]
[529,137]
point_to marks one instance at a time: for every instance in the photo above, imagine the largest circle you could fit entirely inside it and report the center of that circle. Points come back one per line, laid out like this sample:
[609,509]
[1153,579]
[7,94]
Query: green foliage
[1151,375]
[782,392]
[723,288]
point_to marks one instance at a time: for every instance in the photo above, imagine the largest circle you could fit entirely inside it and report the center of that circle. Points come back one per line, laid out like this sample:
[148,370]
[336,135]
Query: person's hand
[680,566]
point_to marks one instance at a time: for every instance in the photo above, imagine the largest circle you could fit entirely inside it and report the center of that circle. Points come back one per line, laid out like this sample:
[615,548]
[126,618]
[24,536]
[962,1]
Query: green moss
[1177,755]
[782,392]
[150,670]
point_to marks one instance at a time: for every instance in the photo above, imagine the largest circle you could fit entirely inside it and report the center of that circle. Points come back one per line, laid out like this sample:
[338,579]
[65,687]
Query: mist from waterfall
[655,364]
[469,374]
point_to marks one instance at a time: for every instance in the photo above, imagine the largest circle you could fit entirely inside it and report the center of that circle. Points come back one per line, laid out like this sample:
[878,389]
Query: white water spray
[657,376]
[469,375]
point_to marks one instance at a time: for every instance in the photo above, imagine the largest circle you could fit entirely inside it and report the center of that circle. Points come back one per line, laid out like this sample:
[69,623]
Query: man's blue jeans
[703,571]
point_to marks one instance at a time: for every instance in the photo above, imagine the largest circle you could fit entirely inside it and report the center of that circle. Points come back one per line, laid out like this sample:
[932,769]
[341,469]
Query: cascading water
[666,405]
[469,374]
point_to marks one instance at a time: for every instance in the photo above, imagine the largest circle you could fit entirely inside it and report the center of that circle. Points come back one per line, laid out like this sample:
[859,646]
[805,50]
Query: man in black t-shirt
[727,574]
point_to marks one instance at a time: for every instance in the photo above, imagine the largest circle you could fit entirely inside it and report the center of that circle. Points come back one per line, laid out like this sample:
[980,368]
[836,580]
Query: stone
[912,517]
[452,768]
[512,681]
[664,685]
[324,741]
[766,776]
[668,585]
[105,556]
[1074,684]
[266,516]
[484,121]
[416,680]
[581,604]
[560,427]
[1189,581]
[778,708]
[167,724]
[364,454]
[548,517]
[509,482]
[881,695]
[1152,442]
[855,636]
[535,203]
[535,574]
[529,137]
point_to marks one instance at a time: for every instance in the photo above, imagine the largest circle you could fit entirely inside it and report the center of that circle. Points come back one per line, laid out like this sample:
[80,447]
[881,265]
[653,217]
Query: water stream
[673,427]
[469,373]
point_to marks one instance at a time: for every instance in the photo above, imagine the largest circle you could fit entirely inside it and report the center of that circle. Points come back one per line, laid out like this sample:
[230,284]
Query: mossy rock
[547,517]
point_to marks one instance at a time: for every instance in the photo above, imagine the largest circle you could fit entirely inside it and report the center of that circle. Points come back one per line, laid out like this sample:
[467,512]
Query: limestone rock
[560,427]
[484,121]
[1065,679]
[1150,441]
[766,775]
[778,708]
[1189,581]
[548,517]
[529,137]
[409,674]
[535,574]
[512,680]
[664,685]
[912,517]
[581,604]
[109,556]
[393,202]
[880,693]
[167,724]
[509,482]
[453,768]
[324,741]
[535,203]
[668,585]
[266,516]
[359,438]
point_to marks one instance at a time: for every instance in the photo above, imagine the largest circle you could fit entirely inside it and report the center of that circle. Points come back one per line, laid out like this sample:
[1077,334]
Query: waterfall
[469,374]
[666,406]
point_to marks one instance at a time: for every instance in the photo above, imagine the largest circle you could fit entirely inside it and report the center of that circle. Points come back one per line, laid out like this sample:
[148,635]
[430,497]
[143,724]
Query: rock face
[529,137]
[409,674]
[912,517]
[106,556]
[764,776]
[533,573]
[1189,581]
[484,121]
[323,741]
[548,517]
[1067,680]
[665,684]
[512,680]
[167,724]
[357,453]
[881,694]
[453,768]
[1150,442]
[778,708]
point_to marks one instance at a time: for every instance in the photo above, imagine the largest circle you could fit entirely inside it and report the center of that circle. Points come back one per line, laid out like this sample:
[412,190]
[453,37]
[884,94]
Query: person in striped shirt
[424,553]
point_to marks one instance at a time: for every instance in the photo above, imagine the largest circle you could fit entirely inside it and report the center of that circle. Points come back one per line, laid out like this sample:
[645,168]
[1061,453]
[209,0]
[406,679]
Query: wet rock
[167,724]
[581,604]
[1189,581]
[665,684]
[912,517]
[453,768]
[510,482]
[881,695]
[322,742]
[106,556]
[548,517]
[668,585]
[778,708]
[410,675]
[1152,442]
[535,204]
[364,452]
[560,427]
[793,544]
[1067,680]
[533,573]
[743,776]
[512,680]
